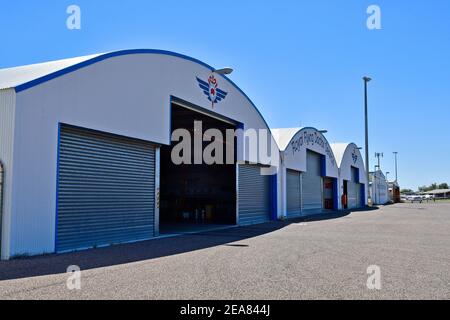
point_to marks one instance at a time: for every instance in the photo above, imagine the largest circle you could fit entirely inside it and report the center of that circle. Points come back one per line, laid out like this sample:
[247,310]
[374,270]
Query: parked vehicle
[414,198]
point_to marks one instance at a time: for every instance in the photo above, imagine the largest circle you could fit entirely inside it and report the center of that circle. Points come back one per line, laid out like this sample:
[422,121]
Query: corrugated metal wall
[7,116]
[352,194]
[254,195]
[312,183]
[106,189]
[354,190]
[293,194]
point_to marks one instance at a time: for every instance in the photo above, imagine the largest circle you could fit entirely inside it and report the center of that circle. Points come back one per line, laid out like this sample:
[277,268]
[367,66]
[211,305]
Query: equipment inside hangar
[197,193]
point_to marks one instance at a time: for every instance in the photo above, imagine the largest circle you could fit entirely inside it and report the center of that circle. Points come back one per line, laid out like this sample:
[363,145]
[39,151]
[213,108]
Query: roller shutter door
[358,196]
[354,190]
[254,195]
[293,194]
[312,184]
[106,189]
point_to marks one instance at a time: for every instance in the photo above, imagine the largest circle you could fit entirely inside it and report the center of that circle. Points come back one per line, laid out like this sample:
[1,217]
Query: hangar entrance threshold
[191,228]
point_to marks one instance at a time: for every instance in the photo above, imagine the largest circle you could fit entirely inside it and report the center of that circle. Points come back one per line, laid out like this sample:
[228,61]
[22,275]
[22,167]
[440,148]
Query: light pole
[379,155]
[396,172]
[366,113]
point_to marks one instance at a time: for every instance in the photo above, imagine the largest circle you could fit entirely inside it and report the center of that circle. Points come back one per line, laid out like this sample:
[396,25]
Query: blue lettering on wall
[309,139]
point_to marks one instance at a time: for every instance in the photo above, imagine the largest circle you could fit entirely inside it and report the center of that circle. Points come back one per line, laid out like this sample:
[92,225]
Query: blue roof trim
[109,55]
[103,57]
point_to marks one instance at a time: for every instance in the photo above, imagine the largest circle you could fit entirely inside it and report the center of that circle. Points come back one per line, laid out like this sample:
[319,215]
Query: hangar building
[86,145]
[379,188]
[309,172]
[96,151]
[352,176]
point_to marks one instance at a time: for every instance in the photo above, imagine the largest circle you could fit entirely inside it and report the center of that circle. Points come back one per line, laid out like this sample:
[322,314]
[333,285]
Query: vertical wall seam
[57,186]
[7,134]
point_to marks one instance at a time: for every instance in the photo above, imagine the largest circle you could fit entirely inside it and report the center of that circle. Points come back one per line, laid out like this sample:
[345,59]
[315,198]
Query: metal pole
[366,113]
[396,172]
[378,155]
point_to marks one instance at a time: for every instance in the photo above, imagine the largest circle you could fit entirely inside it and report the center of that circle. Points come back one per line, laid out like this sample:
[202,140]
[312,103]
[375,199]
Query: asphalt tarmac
[325,257]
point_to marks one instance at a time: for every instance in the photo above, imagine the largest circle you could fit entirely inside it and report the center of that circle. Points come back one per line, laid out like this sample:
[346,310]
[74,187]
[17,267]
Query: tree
[406,191]
[433,186]
[443,186]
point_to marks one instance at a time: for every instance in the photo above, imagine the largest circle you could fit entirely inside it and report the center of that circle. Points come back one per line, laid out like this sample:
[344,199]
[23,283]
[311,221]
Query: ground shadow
[335,214]
[146,250]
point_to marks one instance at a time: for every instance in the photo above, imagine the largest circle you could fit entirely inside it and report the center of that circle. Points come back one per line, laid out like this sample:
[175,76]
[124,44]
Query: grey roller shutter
[358,196]
[106,189]
[293,194]
[312,184]
[254,195]
[352,189]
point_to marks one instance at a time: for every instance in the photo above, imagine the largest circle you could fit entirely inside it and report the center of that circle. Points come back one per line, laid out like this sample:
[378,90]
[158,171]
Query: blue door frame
[274,197]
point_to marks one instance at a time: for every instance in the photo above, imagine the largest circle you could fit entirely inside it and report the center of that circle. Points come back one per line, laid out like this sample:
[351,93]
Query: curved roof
[19,76]
[339,151]
[25,77]
[284,136]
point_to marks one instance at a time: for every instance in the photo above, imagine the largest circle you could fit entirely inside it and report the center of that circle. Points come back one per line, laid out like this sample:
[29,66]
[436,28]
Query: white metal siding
[106,189]
[7,118]
[312,184]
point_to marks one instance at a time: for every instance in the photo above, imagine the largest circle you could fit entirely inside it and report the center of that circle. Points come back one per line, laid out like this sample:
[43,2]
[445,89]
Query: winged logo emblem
[211,90]
[354,157]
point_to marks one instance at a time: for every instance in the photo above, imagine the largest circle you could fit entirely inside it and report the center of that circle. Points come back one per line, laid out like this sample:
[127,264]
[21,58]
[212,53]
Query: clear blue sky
[301,62]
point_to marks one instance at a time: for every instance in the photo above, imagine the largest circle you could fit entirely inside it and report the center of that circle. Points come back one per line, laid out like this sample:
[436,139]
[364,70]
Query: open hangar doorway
[197,196]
